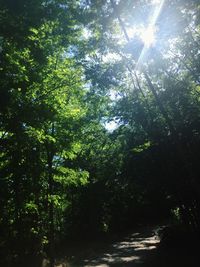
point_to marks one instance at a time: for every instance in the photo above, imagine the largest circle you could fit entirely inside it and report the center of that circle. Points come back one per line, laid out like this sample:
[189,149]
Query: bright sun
[148,36]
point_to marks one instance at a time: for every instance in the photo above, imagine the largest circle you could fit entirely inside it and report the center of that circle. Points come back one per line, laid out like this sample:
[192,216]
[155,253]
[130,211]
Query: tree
[43,91]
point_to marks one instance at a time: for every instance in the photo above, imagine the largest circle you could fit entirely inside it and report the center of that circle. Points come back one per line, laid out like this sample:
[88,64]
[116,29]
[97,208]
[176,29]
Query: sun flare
[148,36]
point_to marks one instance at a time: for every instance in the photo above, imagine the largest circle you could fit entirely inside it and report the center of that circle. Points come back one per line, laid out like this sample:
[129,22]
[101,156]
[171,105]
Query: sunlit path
[134,250]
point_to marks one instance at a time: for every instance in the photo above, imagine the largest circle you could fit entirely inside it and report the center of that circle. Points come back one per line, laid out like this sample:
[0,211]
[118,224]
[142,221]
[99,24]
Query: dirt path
[134,250]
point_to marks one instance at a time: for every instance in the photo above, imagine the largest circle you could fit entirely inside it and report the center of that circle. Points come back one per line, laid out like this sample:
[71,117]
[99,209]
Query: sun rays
[148,35]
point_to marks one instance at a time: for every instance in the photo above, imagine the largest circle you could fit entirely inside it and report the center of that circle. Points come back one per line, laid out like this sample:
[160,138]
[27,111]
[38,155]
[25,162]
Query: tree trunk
[50,155]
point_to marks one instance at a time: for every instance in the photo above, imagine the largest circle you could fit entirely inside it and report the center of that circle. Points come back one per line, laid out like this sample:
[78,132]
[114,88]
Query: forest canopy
[99,120]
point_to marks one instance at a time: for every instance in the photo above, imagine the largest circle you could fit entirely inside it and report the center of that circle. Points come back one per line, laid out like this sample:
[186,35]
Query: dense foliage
[71,69]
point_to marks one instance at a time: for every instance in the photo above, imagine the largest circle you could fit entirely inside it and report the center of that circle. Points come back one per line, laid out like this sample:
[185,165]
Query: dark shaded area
[177,248]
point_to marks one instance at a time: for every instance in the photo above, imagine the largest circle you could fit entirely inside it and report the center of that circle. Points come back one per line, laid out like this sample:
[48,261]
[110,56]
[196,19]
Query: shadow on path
[136,249]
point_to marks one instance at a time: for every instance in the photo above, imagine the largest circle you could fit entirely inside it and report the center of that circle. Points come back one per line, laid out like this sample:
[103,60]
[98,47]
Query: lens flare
[148,36]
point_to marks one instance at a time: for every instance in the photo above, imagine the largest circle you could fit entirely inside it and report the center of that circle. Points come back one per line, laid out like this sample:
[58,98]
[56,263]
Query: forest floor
[141,248]
[136,249]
